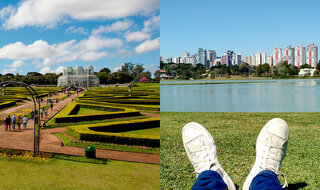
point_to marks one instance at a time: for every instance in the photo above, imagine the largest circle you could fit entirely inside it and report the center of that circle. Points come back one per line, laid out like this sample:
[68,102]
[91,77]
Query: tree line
[187,71]
[127,73]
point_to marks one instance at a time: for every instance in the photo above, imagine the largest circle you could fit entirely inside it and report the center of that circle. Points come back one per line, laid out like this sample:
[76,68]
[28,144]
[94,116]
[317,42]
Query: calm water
[293,95]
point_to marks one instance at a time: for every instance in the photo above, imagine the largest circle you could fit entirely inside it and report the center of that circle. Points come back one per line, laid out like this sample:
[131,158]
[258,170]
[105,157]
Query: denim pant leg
[209,179]
[265,180]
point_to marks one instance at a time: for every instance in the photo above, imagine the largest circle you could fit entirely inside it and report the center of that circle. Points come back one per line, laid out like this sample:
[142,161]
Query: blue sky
[45,35]
[246,27]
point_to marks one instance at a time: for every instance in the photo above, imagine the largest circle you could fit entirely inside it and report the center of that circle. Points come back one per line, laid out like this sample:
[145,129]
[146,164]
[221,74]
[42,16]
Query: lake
[287,95]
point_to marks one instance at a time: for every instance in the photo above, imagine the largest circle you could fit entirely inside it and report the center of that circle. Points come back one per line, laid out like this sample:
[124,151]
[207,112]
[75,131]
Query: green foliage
[235,135]
[111,132]
[304,66]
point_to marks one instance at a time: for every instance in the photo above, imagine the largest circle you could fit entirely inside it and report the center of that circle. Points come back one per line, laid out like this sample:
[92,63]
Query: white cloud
[116,26]
[75,30]
[137,36]
[49,13]
[45,70]
[93,56]
[149,26]
[17,64]
[59,70]
[98,42]
[148,45]
[39,49]
[11,70]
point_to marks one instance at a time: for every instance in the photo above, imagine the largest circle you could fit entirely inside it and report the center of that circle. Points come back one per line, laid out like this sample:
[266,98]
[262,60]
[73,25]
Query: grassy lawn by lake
[235,136]
[62,174]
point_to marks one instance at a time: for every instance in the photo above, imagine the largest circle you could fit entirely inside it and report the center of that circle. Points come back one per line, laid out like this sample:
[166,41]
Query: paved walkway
[23,139]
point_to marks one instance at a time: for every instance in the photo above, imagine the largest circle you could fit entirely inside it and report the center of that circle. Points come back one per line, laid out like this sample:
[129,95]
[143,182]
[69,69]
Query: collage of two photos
[239,95]
[79,94]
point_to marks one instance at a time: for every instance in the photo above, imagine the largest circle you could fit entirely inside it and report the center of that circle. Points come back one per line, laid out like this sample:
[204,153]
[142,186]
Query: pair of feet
[270,150]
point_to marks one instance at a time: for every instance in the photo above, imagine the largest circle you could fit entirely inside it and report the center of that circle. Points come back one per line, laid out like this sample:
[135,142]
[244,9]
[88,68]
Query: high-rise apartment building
[270,60]
[236,59]
[300,56]
[289,55]
[211,55]
[277,56]
[202,56]
[312,55]
[253,59]
[261,58]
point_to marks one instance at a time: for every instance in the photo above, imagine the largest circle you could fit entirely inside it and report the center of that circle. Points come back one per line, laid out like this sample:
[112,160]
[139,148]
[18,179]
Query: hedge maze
[114,104]
[17,95]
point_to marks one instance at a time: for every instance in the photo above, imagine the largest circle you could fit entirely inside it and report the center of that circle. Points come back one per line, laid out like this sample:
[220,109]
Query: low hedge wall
[89,132]
[7,104]
[68,113]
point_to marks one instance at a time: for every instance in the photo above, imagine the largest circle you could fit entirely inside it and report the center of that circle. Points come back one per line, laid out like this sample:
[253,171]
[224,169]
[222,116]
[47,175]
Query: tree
[127,68]
[263,69]
[157,75]
[244,68]
[305,66]
[143,74]
[105,70]
[318,66]
[234,69]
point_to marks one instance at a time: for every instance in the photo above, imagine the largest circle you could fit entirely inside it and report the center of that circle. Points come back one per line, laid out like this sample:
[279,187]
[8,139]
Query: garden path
[23,139]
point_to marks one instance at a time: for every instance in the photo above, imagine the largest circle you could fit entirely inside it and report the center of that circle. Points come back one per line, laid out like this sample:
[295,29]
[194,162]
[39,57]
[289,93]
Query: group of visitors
[13,121]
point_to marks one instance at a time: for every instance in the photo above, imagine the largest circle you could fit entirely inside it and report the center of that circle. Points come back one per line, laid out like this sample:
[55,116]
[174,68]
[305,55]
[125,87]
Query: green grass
[151,131]
[63,174]
[71,141]
[235,136]
[87,111]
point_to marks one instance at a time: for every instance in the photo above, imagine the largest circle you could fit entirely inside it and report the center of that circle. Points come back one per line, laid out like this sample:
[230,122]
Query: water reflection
[278,96]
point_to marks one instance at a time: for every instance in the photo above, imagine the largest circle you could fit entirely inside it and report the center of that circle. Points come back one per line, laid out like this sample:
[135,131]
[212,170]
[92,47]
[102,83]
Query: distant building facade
[289,55]
[300,56]
[277,56]
[312,55]
[78,77]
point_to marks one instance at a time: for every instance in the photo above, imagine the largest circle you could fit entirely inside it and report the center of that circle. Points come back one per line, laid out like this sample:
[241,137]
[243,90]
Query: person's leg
[270,151]
[266,180]
[202,153]
[209,179]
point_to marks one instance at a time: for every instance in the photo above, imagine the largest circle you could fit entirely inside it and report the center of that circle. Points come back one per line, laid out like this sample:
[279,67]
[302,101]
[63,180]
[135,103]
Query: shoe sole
[255,169]
[225,177]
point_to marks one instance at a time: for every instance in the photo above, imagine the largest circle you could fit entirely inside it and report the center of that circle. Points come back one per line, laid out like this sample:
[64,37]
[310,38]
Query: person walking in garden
[271,147]
[41,112]
[19,122]
[13,121]
[7,123]
[46,112]
[25,122]
[51,105]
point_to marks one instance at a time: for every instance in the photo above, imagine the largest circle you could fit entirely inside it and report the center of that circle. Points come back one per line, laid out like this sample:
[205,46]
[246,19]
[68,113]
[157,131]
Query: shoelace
[201,157]
[273,157]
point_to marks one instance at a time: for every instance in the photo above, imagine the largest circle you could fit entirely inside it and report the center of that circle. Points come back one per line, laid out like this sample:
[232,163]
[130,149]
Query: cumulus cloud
[98,42]
[149,26]
[59,70]
[10,70]
[116,26]
[77,30]
[49,13]
[148,45]
[17,64]
[45,70]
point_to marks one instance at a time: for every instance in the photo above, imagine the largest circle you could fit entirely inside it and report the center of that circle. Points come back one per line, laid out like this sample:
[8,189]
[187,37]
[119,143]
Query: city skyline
[241,26]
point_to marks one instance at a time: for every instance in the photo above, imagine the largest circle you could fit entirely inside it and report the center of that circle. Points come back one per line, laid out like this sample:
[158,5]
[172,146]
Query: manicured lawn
[235,136]
[151,131]
[62,174]
[87,111]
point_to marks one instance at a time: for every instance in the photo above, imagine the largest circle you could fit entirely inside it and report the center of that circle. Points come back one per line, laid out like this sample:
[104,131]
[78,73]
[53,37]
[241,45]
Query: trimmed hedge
[92,132]
[7,104]
[66,116]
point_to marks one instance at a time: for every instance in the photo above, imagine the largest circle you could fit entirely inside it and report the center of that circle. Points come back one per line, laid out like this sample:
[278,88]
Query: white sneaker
[270,149]
[202,152]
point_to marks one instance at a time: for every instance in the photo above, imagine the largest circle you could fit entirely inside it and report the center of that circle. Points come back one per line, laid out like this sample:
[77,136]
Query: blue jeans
[265,180]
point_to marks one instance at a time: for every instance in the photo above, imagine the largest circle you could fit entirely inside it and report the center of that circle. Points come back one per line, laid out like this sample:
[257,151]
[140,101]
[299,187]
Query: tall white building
[191,60]
[253,59]
[261,58]
[211,55]
[202,56]
[270,60]
[300,56]
[236,59]
[289,55]
[312,55]
[277,56]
